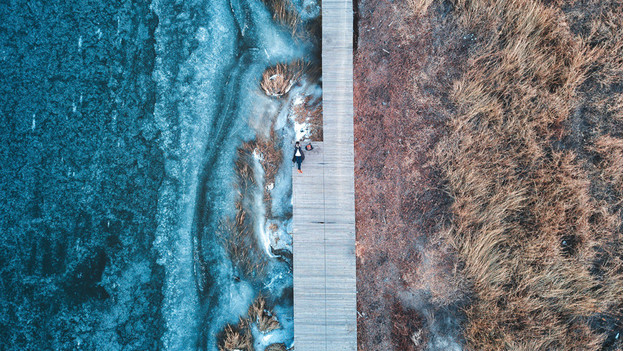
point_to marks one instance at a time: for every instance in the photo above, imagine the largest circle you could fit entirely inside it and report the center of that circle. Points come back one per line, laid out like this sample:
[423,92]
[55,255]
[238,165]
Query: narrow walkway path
[323,204]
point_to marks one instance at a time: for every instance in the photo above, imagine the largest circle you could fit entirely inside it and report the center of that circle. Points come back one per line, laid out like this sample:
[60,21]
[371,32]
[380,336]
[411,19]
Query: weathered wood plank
[323,204]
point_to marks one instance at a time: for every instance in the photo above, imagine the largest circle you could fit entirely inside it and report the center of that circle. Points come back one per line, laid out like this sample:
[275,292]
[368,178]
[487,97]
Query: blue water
[120,127]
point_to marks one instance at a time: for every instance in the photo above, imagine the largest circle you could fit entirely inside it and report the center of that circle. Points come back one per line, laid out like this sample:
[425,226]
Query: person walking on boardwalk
[298,156]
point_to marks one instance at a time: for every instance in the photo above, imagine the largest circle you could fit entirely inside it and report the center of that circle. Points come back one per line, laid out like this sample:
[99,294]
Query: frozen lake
[124,125]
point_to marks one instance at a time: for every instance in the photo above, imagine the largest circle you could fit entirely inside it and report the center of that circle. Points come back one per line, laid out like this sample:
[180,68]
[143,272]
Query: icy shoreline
[206,109]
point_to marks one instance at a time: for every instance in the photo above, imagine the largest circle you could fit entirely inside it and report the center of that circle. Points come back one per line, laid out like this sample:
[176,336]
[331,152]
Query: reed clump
[276,347]
[542,253]
[237,337]
[241,244]
[264,318]
[270,156]
[279,79]
[284,13]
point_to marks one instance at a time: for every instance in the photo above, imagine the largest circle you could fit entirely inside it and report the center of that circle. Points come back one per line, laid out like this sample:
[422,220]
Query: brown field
[489,174]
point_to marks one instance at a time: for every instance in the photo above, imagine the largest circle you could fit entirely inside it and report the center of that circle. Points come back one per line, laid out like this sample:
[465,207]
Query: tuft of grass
[260,314]
[420,6]
[541,252]
[284,13]
[244,170]
[278,80]
[236,338]
[276,347]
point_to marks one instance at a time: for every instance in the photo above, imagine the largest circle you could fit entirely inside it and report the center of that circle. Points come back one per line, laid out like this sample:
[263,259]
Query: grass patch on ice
[278,80]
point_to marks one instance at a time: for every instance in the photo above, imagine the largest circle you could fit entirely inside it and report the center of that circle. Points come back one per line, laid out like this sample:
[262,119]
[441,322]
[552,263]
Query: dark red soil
[404,66]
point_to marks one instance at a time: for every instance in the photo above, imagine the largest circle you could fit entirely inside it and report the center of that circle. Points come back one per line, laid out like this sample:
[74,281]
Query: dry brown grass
[542,254]
[435,273]
[407,329]
[237,234]
[610,151]
[260,314]
[311,112]
[241,244]
[276,347]
[279,79]
[236,338]
[420,6]
[271,157]
[284,13]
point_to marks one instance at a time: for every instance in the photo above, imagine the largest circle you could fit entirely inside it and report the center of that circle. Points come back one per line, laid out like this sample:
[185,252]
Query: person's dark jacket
[294,159]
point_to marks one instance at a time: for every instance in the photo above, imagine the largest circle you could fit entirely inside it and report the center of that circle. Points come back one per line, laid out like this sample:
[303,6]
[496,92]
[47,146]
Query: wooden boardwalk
[323,204]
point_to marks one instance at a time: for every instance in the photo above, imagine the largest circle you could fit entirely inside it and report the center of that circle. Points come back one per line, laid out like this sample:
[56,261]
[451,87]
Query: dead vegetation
[310,111]
[237,337]
[279,79]
[241,244]
[276,347]
[270,157]
[398,198]
[260,314]
[541,250]
[420,6]
[407,329]
[435,273]
[237,235]
[284,13]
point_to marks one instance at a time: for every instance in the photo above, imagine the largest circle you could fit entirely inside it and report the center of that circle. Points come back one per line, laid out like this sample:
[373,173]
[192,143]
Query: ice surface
[185,133]
[209,102]
[283,335]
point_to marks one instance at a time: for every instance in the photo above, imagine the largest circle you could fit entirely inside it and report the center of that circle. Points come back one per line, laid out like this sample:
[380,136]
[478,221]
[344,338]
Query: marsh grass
[264,318]
[419,6]
[278,80]
[237,235]
[542,254]
[236,337]
[239,337]
[241,244]
[270,158]
[311,112]
[276,347]
[284,13]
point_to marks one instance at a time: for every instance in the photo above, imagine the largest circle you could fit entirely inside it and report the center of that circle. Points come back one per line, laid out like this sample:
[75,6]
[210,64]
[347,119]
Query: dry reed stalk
[237,338]
[276,347]
[241,245]
[260,314]
[284,13]
[271,157]
[279,79]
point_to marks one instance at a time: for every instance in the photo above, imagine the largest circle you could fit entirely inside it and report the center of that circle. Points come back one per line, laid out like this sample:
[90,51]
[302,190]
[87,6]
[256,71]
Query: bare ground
[403,69]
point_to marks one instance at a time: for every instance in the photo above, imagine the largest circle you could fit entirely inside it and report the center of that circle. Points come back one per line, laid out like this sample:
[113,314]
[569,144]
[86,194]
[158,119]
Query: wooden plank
[323,204]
